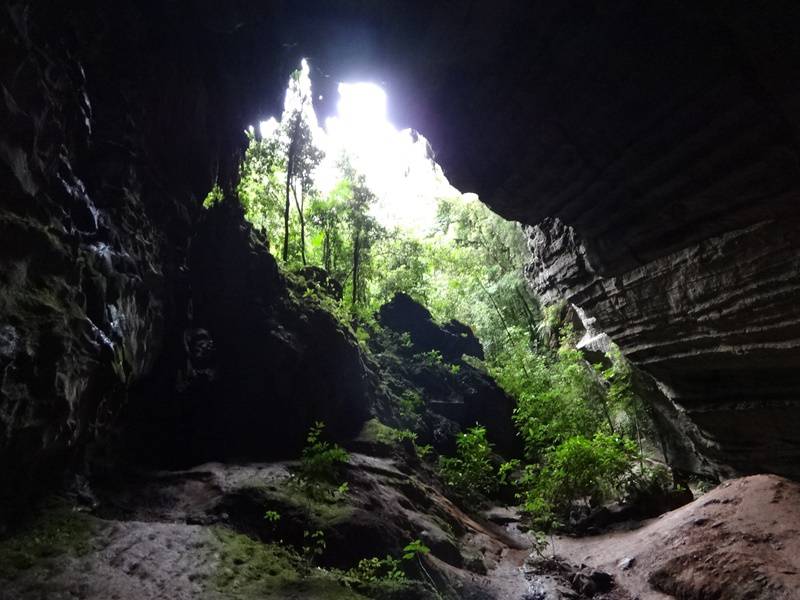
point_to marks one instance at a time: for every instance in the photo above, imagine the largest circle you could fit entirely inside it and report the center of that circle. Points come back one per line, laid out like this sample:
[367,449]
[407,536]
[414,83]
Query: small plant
[470,473]
[313,544]
[375,570]
[506,470]
[432,358]
[405,434]
[405,340]
[272,516]
[454,369]
[414,550]
[423,451]
[341,491]
[321,460]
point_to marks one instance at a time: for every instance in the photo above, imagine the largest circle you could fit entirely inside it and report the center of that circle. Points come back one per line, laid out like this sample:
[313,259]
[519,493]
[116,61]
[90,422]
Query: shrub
[578,469]
[411,404]
[377,570]
[470,472]
[321,460]
[558,397]
[374,570]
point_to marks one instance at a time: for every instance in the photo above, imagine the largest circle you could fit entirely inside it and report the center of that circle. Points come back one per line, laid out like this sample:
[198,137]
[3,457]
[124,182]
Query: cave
[163,372]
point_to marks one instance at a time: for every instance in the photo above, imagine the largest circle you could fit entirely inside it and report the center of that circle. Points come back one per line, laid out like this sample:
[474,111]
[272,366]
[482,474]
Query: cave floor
[740,540]
[201,533]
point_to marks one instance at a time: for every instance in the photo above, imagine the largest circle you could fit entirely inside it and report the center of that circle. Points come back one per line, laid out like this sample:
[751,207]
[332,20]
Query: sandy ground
[741,540]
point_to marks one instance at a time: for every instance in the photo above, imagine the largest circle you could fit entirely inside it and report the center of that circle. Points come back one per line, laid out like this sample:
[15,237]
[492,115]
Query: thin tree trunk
[302,224]
[356,260]
[326,251]
[502,320]
[528,312]
[286,208]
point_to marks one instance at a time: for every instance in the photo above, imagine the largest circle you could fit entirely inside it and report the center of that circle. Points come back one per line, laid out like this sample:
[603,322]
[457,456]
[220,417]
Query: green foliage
[432,358]
[375,570]
[558,397]
[579,469]
[313,544]
[470,473]
[411,404]
[506,470]
[321,460]
[272,516]
[389,569]
[213,197]
[423,451]
[415,549]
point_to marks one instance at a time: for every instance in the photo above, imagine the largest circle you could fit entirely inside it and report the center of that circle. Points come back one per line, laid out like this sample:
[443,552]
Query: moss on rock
[251,569]
[55,531]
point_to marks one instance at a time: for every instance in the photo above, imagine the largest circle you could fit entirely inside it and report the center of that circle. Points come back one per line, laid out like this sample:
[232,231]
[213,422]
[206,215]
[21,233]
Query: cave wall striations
[679,234]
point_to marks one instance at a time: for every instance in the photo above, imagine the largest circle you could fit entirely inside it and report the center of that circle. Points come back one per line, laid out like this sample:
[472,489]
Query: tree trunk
[326,250]
[302,224]
[286,208]
[356,260]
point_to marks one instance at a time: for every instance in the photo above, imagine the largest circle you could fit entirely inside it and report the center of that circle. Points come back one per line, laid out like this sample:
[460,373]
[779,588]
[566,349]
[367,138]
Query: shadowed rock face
[666,209]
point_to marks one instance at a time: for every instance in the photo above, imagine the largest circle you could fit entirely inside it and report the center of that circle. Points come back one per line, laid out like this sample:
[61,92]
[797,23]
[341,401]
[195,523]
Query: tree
[259,186]
[364,229]
[298,123]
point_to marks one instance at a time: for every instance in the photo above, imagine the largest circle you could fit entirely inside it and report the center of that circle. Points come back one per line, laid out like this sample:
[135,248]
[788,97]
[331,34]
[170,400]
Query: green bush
[579,469]
[410,404]
[375,570]
[470,472]
[558,397]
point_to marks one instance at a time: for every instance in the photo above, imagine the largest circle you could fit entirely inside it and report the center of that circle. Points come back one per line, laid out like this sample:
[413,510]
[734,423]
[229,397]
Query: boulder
[403,314]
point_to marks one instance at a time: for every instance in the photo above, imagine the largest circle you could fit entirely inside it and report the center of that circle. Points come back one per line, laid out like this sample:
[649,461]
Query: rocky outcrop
[85,262]
[456,394]
[452,340]
[660,177]
[258,365]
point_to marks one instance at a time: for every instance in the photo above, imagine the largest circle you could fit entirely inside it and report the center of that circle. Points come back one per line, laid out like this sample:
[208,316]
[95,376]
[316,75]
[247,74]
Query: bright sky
[397,169]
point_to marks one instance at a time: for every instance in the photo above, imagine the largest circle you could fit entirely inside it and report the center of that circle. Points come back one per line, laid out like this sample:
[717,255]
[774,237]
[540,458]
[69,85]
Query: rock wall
[116,120]
[675,226]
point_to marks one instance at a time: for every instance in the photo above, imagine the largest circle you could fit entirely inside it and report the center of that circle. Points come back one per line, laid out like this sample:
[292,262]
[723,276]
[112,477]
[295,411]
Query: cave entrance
[367,202]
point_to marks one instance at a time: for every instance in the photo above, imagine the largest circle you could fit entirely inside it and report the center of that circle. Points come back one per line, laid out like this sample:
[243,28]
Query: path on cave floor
[739,541]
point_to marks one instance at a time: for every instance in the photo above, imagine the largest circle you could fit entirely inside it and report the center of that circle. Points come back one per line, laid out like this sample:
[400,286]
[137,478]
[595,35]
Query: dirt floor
[739,541]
